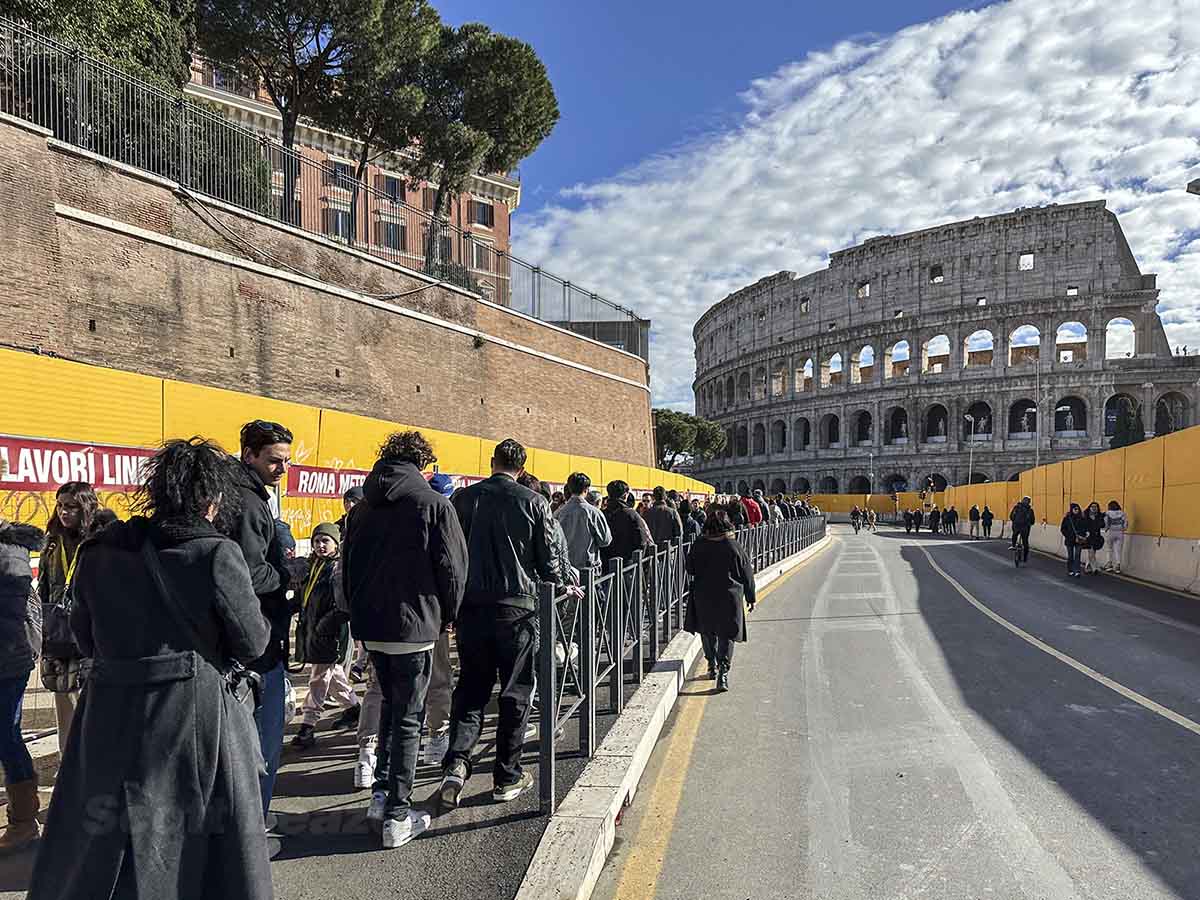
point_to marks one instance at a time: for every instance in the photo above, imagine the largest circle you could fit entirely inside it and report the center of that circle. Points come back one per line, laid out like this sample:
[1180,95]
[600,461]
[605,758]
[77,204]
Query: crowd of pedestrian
[167,641]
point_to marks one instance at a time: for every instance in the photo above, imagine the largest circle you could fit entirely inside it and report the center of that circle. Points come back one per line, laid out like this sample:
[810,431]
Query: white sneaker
[531,732]
[364,769]
[397,833]
[436,749]
[378,806]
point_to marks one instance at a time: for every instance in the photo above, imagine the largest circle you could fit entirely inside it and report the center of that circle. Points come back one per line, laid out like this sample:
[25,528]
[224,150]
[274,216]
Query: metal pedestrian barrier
[592,647]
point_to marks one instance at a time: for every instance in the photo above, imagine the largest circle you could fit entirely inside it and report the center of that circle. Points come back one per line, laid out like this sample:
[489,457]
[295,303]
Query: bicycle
[1018,553]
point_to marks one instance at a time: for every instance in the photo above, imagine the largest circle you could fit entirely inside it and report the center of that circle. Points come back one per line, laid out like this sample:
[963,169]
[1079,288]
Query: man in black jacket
[629,531]
[662,520]
[513,543]
[266,453]
[404,569]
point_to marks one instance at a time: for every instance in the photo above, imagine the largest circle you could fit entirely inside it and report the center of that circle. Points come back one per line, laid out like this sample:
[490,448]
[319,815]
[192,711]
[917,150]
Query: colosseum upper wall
[967,351]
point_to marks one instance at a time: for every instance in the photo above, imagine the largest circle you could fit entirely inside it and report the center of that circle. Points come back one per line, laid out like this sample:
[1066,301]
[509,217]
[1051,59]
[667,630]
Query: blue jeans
[271,719]
[404,684]
[14,755]
[1074,557]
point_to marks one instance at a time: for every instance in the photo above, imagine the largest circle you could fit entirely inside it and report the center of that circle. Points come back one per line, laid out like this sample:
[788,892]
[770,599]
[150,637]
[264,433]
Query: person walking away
[693,524]
[973,520]
[871,520]
[584,526]
[1095,536]
[266,451]
[71,523]
[908,521]
[1022,518]
[513,545]
[918,520]
[441,678]
[753,511]
[1116,522]
[321,633]
[722,589]
[855,518]
[404,571]
[157,795]
[628,529]
[662,520]
[952,516]
[935,521]
[1075,536]
[762,505]
[20,615]
[985,520]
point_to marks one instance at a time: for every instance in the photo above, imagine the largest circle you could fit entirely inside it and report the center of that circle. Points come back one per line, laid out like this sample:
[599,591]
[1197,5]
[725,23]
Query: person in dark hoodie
[404,568]
[628,529]
[514,543]
[17,613]
[266,452]
[157,794]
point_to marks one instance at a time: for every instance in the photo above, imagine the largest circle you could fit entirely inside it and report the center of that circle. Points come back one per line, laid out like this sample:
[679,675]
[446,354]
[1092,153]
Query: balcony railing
[86,102]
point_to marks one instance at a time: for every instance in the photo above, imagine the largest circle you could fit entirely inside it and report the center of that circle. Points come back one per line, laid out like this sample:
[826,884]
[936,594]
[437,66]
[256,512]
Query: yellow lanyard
[312,582]
[68,570]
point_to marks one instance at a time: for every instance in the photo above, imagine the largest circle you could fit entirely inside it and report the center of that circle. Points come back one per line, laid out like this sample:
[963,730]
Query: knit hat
[330,530]
[354,494]
[442,483]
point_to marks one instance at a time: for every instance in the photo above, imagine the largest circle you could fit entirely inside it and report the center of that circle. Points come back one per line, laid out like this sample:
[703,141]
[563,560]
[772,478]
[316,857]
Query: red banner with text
[32,464]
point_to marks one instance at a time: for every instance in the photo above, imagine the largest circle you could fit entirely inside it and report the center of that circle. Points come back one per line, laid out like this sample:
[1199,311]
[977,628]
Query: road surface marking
[1128,693]
[648,850]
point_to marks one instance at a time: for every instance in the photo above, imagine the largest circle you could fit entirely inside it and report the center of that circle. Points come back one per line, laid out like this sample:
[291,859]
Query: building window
[394,188]
[428,195]
[1072,291]
[803,304]
[336,223]
[762,315]
[483,214]
[936,275]
[981,301]
[864,290]
[481,256]
[340,175]
[395,235]
[1025,263]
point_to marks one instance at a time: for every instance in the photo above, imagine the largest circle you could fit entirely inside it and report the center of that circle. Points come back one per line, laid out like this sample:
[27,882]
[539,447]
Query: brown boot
[23,808]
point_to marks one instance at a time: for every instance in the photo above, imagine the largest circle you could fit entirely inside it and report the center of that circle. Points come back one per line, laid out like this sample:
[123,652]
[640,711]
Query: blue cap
[443,484]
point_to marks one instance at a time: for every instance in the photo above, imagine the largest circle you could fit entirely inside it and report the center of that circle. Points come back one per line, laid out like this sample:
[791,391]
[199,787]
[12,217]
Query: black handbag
[245,685]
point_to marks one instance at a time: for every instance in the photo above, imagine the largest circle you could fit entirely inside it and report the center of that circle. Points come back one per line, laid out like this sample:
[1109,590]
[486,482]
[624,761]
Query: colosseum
[961,353]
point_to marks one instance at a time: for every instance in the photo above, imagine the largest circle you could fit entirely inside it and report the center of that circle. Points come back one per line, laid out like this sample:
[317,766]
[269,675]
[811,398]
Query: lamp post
[970,449]
[870,472]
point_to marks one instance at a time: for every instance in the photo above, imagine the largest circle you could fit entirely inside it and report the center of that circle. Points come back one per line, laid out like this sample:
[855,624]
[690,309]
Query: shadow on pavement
[1127,769]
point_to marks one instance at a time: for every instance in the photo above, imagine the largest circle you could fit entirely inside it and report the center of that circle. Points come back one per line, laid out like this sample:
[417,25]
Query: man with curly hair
[404,569]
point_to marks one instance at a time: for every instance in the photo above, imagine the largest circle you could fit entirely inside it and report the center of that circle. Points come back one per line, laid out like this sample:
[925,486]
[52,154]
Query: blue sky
[637,78]
[705,146]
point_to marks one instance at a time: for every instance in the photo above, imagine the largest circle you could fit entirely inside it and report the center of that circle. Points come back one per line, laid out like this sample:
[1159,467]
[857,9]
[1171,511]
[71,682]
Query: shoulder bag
[245,685]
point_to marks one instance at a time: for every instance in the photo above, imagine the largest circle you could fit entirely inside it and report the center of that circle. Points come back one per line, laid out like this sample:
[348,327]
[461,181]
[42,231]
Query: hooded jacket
[254,531]
[404,559]
[16,585]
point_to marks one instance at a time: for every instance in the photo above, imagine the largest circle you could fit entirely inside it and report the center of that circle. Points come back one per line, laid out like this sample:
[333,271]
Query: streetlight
[971,450]
[870,472]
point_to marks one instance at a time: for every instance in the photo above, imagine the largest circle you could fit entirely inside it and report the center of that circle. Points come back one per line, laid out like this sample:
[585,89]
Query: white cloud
[1019,104]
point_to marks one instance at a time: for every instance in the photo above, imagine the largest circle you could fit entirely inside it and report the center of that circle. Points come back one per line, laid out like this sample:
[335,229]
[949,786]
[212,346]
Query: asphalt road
[891,735]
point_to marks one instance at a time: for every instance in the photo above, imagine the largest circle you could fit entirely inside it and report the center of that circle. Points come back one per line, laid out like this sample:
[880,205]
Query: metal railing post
[637,614]
[547,697]
[616,635]
[587,665]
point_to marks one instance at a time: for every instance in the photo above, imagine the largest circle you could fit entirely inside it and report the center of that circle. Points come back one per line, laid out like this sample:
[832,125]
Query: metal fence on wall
[629,613]
[84,101]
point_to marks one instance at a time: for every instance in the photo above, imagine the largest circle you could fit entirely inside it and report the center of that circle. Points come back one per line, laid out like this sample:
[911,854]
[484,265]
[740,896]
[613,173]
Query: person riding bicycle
[1022,518]
[856,518]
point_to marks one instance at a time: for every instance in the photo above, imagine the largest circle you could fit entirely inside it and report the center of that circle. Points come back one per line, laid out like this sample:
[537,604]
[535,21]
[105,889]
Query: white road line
[1080,591]
[1129,694]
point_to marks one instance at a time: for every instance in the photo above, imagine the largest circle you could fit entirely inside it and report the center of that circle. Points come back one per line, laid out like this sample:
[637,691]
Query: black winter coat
[255,533]
[629,533]
[1073,528]
[158,740]
[322,626]
[52,590]
[1095,527]
[664,523]
[16,585]
[404,560]
[722,581]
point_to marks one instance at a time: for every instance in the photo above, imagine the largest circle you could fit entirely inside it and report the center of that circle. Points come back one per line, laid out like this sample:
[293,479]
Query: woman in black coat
[722,581]
[1095,537]
[157,795]
[1074,530]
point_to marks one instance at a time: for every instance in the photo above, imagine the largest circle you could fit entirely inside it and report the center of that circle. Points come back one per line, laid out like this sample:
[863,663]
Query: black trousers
[717,650]
[404,684]
[494,643]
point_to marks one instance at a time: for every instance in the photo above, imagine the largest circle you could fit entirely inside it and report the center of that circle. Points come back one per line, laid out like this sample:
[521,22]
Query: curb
[580,834]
